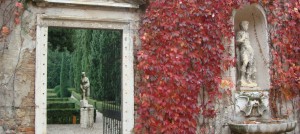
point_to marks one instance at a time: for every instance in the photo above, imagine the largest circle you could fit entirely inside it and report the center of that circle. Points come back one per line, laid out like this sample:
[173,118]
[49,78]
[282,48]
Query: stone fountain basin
[271,127]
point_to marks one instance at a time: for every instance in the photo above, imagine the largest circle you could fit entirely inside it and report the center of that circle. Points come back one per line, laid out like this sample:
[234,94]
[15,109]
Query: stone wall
[17,108]
[17,65]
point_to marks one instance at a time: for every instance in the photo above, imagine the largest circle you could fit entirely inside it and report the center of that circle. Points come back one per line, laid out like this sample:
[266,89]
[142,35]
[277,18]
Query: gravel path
[76,129]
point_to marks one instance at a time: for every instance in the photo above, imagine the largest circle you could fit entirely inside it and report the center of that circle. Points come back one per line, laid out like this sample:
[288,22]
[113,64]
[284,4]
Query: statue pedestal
[252,103]
[84,103]
[86,114]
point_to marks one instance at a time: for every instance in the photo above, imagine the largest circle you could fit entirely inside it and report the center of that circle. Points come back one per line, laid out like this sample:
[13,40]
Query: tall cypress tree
[64,76]
[53,68]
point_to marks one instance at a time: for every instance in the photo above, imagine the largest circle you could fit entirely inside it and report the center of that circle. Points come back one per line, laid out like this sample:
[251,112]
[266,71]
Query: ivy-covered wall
[17,60]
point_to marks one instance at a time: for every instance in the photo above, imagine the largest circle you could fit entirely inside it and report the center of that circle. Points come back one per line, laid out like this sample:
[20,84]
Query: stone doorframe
[127,78]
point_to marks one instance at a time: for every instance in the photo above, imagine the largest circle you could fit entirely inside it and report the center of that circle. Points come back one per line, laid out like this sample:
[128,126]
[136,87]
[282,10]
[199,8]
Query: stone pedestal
[86,114]
[84,103]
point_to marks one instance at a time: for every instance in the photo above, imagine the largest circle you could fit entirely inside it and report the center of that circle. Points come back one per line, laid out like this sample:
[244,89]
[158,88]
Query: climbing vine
[284,17]
[184,51]
[13,11]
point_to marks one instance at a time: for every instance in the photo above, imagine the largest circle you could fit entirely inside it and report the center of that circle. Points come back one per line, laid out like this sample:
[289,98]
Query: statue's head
[83,74]
[244,25]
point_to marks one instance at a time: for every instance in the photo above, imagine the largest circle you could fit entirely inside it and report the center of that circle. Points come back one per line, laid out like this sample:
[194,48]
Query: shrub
[62,116]
[57,90]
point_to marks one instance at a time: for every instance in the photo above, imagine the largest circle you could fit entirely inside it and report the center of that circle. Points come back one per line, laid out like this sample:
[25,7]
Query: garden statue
[85,86]
[86,110]
[252,110]
[247,68]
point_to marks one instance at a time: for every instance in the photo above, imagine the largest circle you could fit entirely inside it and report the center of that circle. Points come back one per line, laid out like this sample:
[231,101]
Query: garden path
[76,129]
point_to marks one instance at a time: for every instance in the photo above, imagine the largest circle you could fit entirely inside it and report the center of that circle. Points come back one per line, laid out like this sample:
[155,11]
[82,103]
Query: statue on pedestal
[246,53]
[86,110]
[85,86]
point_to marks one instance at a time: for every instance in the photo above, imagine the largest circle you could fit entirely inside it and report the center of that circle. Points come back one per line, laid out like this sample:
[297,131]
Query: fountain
[254,122]
[252,112]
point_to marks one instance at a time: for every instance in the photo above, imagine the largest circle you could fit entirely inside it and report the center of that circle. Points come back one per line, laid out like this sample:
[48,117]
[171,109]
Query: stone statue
[86,110]
[85,86]
[247,68]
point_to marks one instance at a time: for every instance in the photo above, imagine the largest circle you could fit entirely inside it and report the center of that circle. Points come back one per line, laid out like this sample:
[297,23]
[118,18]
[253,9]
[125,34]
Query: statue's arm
[81,87]
[240,37]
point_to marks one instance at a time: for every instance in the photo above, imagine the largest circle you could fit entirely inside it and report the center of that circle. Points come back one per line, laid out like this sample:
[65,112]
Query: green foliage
[79,58]
[57,99]
[96,52]
[53,68]
[57,90]
[60,104]
[62,116]
[99,105]
[64,76]
[106,65]
[76,95]
[60,39]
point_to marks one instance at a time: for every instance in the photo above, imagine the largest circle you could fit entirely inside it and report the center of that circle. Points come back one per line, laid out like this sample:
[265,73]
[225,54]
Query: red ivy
[285,48]
[183,52]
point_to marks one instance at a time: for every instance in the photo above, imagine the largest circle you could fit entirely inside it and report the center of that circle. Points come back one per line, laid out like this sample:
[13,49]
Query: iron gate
[111,117]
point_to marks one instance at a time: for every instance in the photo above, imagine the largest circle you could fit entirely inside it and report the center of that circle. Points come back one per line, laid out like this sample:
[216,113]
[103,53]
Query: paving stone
[76,129]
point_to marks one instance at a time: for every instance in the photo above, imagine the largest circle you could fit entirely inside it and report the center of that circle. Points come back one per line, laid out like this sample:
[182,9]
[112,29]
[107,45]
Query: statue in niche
[246,57]
[85,86]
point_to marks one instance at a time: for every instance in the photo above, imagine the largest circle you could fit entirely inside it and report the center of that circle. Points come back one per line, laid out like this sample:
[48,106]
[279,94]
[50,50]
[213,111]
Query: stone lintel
[108,3]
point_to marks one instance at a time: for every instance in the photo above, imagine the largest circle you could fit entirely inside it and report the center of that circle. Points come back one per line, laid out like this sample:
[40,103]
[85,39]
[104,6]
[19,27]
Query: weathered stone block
[87,117]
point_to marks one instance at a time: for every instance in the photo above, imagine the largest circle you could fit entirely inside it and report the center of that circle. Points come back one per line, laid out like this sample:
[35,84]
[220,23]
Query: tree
[60,39]
[53,68]
[64,76]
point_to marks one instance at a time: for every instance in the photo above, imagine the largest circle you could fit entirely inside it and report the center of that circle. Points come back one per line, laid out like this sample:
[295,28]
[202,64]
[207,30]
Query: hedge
[62,105]
[76,95]
[57,99]
[63,116]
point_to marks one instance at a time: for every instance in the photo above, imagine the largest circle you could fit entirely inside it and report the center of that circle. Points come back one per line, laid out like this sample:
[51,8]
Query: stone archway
[43,22]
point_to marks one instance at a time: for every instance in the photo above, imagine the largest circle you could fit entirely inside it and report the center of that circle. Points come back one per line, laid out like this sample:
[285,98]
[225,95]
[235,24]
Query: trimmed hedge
[97,104]
[51,91]
[71,90]
[63,116]
[57,99]
[51,97]
[76,95]
[57,90]
[77,103]
[62,105]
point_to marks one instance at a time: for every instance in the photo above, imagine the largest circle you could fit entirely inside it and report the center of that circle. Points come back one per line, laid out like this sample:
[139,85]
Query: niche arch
[258,32]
